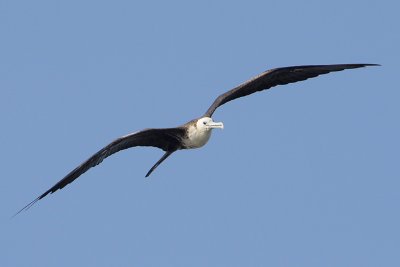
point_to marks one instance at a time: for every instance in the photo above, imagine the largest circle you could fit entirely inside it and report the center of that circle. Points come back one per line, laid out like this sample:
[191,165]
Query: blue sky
[302,175]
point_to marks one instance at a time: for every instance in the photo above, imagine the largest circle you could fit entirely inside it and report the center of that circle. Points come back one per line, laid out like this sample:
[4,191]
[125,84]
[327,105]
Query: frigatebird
[196,132]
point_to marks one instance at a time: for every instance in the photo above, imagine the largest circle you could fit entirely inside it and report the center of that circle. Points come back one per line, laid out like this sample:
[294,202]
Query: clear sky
[302,175]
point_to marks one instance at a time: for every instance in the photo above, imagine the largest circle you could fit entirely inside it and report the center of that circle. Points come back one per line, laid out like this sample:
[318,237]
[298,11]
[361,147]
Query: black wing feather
[278,76]
[168,139]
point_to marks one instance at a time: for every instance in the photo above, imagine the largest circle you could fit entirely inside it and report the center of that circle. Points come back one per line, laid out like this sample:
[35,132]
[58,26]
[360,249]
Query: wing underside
[168,139]
[278,76]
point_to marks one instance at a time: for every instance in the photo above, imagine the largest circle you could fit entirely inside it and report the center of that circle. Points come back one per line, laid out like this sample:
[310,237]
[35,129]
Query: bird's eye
[204,122]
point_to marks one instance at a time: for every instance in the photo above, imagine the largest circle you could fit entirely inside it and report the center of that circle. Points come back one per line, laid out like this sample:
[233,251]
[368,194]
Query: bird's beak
[214,125]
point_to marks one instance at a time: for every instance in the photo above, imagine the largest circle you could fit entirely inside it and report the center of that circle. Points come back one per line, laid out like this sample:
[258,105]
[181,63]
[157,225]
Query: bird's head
[207,123]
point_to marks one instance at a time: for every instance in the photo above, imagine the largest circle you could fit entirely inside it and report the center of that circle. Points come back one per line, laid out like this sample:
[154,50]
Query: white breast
[196,138]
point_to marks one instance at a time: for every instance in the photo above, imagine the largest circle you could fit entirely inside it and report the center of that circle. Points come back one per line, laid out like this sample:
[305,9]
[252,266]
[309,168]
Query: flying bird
[196,132]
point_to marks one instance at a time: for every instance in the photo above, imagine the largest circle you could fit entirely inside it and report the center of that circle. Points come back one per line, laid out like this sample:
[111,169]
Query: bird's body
[197,132]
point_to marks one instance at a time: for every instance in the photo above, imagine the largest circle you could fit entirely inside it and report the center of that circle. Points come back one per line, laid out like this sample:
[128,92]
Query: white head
[206,123]
[199,133]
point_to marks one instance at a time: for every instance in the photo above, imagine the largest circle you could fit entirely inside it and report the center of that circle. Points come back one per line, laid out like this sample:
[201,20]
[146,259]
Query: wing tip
[33,202]
[370,65]
[26,207]
[361,65]
[354,65]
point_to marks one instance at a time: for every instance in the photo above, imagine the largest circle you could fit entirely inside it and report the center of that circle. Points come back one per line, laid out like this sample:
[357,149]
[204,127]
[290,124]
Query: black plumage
[173,139]
[278,76]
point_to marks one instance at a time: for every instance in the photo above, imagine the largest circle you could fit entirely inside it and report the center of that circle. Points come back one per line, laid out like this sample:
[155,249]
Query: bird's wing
[278,76]
[168,139]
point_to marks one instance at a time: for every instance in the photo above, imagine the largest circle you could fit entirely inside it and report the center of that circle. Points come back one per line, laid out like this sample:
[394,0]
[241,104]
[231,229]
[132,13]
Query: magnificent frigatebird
[196,133]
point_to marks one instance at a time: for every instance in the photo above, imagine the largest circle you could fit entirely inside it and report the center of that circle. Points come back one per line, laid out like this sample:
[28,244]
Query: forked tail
[166,155]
